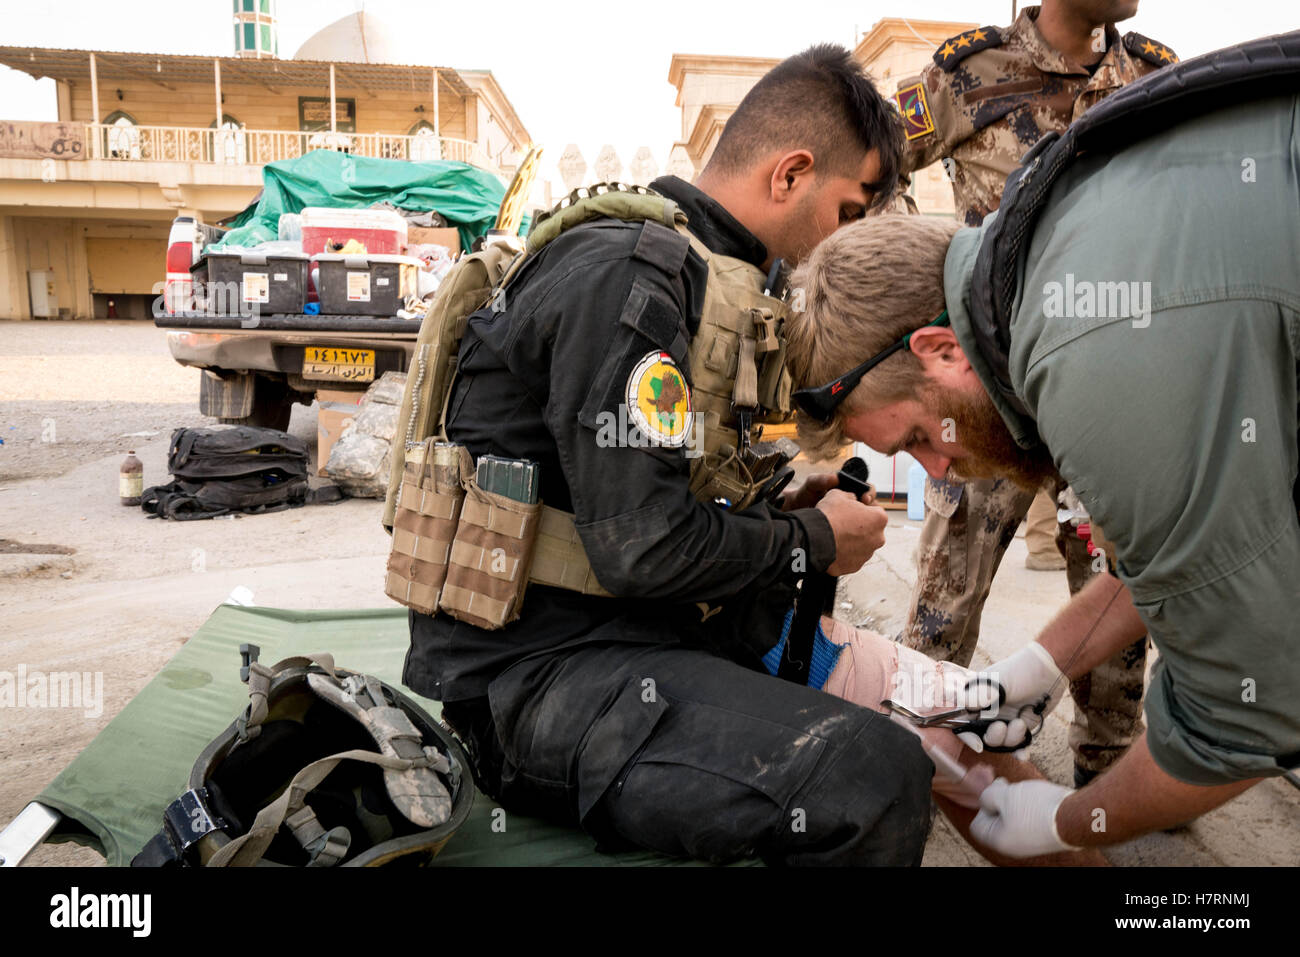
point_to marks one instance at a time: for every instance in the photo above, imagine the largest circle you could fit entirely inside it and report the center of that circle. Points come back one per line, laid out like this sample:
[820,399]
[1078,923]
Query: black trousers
[677,750]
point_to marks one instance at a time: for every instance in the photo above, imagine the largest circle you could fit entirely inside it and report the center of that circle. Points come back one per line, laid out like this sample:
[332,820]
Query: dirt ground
[114,592]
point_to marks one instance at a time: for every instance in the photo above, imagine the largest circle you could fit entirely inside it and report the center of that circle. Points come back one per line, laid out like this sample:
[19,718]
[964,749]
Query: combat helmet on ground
[325,767]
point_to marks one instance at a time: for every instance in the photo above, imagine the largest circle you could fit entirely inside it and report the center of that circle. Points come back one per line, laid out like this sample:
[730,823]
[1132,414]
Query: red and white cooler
[326,230]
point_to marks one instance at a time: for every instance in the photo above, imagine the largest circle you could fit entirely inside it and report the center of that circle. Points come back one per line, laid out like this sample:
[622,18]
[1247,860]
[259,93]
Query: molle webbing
[736,361]
[624,203]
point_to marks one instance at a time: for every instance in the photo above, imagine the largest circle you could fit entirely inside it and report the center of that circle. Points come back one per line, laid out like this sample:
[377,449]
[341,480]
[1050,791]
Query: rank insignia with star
[963,45]
[1147,49]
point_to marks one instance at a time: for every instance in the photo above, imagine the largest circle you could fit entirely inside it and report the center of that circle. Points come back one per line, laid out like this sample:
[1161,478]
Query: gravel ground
[86,584]
[73,392]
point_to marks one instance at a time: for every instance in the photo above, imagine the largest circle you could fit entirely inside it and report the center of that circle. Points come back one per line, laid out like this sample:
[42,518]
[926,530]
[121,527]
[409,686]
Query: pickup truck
[255,370]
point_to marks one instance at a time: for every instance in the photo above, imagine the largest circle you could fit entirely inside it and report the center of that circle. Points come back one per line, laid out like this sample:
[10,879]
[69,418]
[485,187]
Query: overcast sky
[584,71]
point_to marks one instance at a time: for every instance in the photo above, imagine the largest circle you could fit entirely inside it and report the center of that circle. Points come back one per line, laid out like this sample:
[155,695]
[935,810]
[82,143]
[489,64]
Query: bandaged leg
[871,669]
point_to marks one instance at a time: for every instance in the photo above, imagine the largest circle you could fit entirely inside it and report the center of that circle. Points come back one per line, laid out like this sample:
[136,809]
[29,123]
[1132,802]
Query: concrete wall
[492,135]
[13,276]
[708,91]
[712,89]
[98,187]
[128,256]
[49,244]
[490,115]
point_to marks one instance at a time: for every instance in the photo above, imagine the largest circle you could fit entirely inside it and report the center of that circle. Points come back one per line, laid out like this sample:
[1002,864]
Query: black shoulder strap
[181,446]
[1269,66]
[955,49]
[1145,48]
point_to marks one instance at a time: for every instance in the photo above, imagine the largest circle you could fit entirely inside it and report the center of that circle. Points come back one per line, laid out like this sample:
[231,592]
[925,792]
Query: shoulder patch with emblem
[964,44]
[659,401]
[911,103]
[1147,49]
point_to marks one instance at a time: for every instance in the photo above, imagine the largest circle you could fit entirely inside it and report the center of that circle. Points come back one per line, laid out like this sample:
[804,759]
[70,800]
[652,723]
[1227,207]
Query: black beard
[993,453]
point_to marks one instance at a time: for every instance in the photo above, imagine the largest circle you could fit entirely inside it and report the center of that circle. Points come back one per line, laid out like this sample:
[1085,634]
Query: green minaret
[255,29]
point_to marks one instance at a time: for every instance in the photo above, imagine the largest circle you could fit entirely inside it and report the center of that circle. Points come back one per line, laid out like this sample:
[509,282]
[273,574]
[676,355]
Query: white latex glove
[1026,677]
[1019,820]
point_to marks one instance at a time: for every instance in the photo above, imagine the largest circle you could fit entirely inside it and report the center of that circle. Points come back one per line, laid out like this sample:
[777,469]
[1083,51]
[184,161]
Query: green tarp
[466,196]
[113,793]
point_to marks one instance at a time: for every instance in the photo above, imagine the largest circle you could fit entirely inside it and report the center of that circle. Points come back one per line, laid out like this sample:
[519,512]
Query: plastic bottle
[916,492]
[131,479]
[290,228]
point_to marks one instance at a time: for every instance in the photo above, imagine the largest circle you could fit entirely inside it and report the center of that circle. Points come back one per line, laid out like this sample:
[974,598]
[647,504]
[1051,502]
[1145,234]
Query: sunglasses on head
[821,401]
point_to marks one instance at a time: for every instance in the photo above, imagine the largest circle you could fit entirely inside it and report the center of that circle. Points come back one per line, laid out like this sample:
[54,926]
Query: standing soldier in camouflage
[990,94]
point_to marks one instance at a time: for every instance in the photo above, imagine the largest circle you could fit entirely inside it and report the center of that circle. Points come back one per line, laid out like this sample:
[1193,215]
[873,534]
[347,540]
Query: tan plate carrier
[470,553]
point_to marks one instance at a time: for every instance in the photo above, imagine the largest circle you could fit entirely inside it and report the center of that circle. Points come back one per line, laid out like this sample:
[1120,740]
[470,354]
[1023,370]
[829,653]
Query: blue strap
[824,656]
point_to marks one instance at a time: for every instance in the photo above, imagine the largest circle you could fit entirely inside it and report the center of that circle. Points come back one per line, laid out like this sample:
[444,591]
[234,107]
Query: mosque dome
[363,38]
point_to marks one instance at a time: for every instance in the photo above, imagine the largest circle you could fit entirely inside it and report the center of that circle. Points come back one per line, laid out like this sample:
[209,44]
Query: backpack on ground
[222,471]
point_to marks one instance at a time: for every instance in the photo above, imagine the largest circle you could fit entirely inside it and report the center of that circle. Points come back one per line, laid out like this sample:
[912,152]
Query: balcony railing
[229,146]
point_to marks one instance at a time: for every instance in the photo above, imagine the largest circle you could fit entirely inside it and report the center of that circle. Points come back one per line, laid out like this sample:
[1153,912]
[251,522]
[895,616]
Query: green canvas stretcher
[111,797]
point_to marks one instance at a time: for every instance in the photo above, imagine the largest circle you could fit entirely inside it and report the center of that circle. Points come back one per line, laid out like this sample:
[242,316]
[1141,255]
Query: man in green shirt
[1160,379]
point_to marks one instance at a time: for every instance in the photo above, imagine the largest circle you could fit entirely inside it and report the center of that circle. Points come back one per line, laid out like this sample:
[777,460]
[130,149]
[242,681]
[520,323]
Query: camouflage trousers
[967,531]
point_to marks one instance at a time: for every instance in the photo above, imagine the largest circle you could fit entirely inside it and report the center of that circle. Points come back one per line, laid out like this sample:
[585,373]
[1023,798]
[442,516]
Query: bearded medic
[988,96]
[1164,391]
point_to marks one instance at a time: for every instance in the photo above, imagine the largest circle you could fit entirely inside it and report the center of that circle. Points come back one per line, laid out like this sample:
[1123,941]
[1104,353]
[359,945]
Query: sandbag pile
[359,460]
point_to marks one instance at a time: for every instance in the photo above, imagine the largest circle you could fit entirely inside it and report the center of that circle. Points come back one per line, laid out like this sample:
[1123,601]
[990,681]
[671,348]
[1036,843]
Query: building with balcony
[140,138]
[709,88]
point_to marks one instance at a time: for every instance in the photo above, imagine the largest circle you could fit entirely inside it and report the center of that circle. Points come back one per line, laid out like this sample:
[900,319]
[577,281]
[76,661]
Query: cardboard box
[337,408]
[446,236]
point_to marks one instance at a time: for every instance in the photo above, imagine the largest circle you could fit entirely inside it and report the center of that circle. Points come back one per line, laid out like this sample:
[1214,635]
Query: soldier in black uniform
[647,717]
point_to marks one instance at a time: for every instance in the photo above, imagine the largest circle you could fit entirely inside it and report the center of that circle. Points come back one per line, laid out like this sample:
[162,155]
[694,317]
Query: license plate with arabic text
[343,365]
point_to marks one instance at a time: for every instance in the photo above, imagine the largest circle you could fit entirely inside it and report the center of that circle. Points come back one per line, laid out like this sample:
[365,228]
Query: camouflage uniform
[987,98]
[992,92]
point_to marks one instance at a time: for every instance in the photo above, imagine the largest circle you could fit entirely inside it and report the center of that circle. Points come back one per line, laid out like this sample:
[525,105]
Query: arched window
[425,144]
[228,141]
[122,139]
